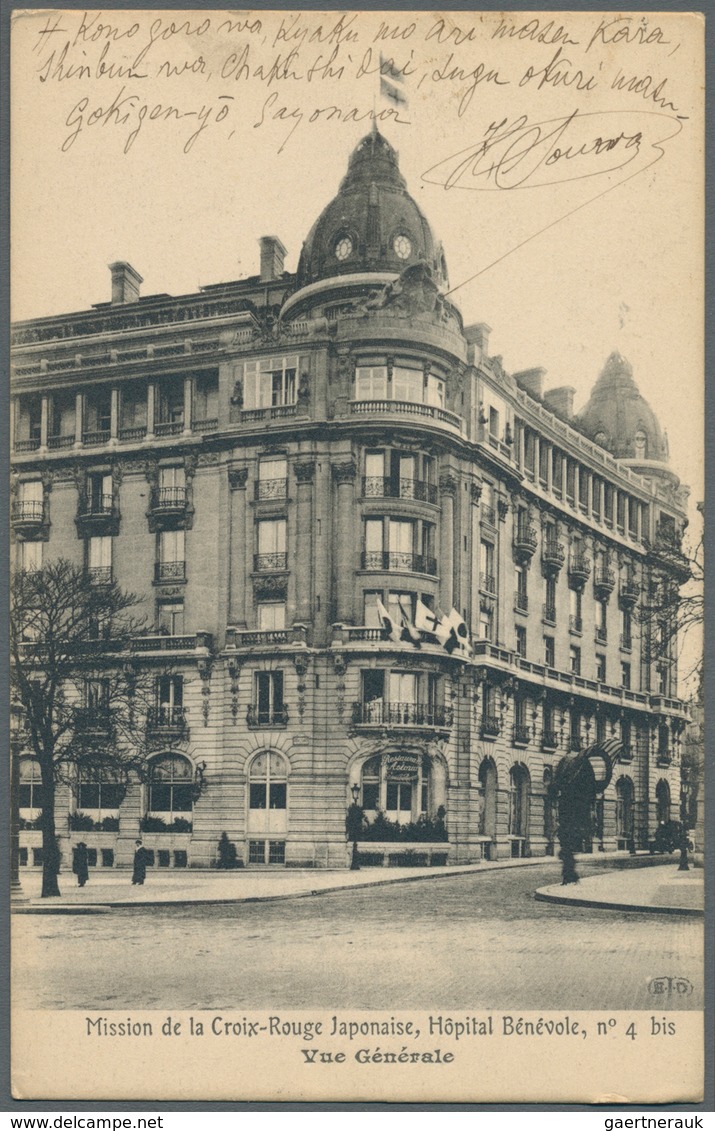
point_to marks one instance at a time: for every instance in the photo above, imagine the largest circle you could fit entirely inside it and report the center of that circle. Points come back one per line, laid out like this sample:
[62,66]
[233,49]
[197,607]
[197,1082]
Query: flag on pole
[399,630]
[392,83]
[425,619]
[457,623]
[390,626]
[446,634]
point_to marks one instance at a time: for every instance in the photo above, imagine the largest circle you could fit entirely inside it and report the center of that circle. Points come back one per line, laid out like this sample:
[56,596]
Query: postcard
[356,507]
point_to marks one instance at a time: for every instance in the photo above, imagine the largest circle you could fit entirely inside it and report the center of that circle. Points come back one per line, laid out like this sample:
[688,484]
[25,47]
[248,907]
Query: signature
[522,154]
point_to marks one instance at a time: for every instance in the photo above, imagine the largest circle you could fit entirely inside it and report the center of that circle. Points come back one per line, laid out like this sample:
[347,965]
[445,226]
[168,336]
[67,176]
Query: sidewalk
[661,889]
[113,889]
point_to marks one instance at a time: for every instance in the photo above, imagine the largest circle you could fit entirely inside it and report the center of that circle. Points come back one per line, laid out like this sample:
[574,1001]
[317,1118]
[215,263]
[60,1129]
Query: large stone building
[266,462]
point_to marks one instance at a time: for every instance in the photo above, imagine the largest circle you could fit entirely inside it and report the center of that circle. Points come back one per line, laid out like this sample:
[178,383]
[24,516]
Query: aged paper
[558,158]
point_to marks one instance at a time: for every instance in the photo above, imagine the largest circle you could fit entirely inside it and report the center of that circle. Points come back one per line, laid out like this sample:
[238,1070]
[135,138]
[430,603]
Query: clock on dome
[402,246]
[343,248]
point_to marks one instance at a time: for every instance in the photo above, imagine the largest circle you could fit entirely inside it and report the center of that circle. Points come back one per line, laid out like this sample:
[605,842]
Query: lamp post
[16,743]
[683,865]
[354,824]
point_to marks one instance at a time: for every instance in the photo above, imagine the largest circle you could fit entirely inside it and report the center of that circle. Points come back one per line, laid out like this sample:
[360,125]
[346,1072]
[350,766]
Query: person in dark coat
[140,862]
[80,865]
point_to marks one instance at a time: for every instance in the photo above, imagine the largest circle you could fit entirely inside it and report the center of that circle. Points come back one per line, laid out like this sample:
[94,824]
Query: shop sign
[403,766]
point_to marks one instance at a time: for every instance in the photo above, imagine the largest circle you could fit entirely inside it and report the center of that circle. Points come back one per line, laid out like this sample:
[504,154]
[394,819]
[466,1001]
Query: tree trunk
[50,848]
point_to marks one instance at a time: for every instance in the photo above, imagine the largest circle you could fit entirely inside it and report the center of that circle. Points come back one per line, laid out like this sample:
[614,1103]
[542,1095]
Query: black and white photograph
[356,507]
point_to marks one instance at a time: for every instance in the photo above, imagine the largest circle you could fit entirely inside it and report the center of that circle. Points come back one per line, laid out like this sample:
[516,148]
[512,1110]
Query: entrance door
[399,801]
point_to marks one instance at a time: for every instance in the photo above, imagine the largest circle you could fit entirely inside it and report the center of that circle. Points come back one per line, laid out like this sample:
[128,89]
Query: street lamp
[683,865]
[354,824]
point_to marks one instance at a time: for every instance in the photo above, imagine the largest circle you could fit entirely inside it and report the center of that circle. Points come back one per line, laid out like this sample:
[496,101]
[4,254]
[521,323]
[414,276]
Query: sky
[581,258]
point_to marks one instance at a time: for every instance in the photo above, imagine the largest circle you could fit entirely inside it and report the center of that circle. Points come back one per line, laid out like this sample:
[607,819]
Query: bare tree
[672,605]
[81,700]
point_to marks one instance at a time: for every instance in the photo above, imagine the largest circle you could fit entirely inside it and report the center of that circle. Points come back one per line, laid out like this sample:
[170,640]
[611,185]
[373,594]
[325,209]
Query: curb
[543,896]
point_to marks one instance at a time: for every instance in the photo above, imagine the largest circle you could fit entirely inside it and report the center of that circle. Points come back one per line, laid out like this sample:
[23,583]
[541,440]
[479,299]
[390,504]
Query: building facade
[265,463]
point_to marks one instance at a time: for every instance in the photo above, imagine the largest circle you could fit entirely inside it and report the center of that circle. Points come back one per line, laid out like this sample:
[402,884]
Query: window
[97,791]
[371,617]
[557,469]
[172,486]
[100,494]
[550,599]
[570,481]
[518,801]
[621,502]
[407,384]
[96,695]
[602,621]
[575,660]
[401,605]
[544,461]
[169,700]
[662,679]
[520,598]
[488,579]
[269,707]
[625,795]
[600,728]
[30,500]
[271,544]
[170,786]
[486,624]
[170,617]
[268,786]
[493,422]
[30,784]
[521,641]
[31,556]
[583,489]
[600,667]
[626,738]
[171,564]
[625,675]
[371,383]
[270,382]
[99,558]
[575,730]
[596,496]
[272,478]
[549,652]
[271,616]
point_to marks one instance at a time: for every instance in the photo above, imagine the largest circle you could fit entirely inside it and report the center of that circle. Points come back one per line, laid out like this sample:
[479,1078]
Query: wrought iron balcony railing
[170,571]
[166,718]
[629,593]
[381,713]
[521,601]
[94,720]
[549,613]
[100,575]
[553,554]
[165,499]
[522,734]
[275,716]
[394,560]
[604,581]
[267,489]
[525,541]
[28,514]
[626,641]
[385,487]
[550,740]
[579,569]
[575,624]
[575,742]
[270,563]
[97,506]
[491,726]
[487,582]
[601,635]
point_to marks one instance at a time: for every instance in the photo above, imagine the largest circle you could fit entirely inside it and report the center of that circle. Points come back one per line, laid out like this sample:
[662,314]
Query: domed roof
[619,419]
[372,225]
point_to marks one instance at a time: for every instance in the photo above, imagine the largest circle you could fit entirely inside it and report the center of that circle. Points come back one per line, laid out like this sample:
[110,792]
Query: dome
[619,419]
[373,224]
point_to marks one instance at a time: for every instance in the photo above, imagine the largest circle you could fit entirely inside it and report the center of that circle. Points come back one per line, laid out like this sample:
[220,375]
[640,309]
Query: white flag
[391,627]
[456,621]
[425,619]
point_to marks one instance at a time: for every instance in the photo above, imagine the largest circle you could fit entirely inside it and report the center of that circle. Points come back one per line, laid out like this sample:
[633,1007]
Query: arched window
[624,810]
[662,801]
[519,801]
[400,784]
[30,791]
[268,782]
[170,785]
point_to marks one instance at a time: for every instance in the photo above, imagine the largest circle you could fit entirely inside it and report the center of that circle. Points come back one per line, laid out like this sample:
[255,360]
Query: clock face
[402,246]
[343,247]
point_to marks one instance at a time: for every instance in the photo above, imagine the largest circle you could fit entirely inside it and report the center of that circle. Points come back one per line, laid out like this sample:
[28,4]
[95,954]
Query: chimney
[477,336]
[125,283]
[272,257]
[531,381]
[560,400]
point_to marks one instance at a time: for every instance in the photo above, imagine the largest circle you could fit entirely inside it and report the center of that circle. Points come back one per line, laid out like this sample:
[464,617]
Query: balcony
[100,575]
[169,500]
[28,518]
[169,571]
[383,487]
[134,433]
[270,563]
[576,624]
[274,412]
[256,717]
[163,642]
[549,613]
[404,563]
[166,720]
[491,726]
[383,714]
[30,445]
[579,570]
[93,720]
[168,428]
[663,757]
[268,489]
[521,602]
[365,634]
[575,743]
[629,593]
[207,424]
[601,635]
[97,515]
[525,542]
[552,556]
[626,754]
[96,438]
[56,443]
[626,642]
[604,581]
[488,583]
[522,735]
[550,740]
[407,408]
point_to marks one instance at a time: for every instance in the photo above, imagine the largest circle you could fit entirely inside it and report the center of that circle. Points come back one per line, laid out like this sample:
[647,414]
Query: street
[470,942]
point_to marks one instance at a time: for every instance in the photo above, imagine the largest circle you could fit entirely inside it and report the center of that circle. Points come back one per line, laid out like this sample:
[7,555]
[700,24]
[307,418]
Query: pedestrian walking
[80,863]
[140,863]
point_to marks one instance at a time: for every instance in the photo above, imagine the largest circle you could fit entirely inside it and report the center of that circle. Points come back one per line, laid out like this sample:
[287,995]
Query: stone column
[589,488]
[78,419]
[639,521]
[188,404]
[549,469]
[304,471]
[150,397]
[13,418]
[537,457]
[447,492]
[44,415]
[114,414]
[238,581]
[347,536]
